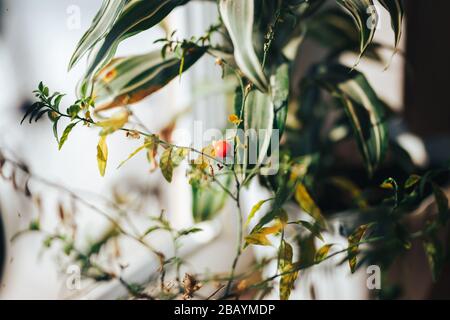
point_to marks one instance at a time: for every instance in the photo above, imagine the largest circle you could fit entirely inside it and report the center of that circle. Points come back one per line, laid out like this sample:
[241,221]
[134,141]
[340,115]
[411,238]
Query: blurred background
[37,39]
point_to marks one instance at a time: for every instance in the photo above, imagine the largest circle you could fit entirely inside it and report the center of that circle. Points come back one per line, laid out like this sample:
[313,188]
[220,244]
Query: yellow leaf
[286,268]
[307,203]
[259,236]
[102,155]
[234,119]
[117,121]
[254,210]
[203,161]
[322,252]
[353,244]
[351,188]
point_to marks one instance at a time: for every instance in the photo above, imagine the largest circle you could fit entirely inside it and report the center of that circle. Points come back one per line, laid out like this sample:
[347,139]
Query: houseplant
[260,45]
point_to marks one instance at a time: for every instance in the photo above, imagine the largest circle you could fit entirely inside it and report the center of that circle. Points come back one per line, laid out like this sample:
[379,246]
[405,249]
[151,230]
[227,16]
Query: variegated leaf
[365,17]
[100,26]
[395,9]
[137,16]
[129,80]
[238,16]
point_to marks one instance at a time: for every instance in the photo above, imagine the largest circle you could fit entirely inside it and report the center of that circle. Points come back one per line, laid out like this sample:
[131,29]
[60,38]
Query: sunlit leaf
[114,123]
[129,80]
[259,236]
[322,253]
[100,26]
[102,155]
[287,280]
[254,210]
[365,17]
[65,134]
[353,243]
[238,17]
[307,203]
[170,159]
[136,16]
[395,9]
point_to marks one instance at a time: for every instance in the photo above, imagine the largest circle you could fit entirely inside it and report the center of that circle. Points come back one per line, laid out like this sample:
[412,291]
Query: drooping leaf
[334,30]
[395,9]
[114,123]
[170,159]
[307,203]
[129,80]
[254,210]
[435,254]
[102,155]
[279,83]
[287,280]
[65,134]
[148,144]
[442,204]
[365,17]
[353,243]
[258,126]
[238,17]
[136,16]
[100,26]
[364,109]
[208,201]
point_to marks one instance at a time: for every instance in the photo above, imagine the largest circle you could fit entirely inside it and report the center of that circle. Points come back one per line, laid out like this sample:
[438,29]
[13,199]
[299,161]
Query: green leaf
[442,204]
[170,159]
[100,26]
[65,134]
[313,228]
[259,117]
[280,94]
[238,16]
[395,9]
[435,254]
[364,109]
[412,181]
[102,155]
[365,18]
[290,275]
[129,80]
[137,16]
[166,164]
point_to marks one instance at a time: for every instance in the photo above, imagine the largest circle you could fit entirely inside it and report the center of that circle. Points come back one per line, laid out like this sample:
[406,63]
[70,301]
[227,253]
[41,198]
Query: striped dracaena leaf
[136,16]
[365,17]
[100,26]
[365,111]
[395,9]
[129,80]
[238,16]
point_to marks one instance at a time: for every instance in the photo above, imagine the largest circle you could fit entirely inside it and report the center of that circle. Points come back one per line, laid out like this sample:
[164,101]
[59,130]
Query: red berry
[222,148]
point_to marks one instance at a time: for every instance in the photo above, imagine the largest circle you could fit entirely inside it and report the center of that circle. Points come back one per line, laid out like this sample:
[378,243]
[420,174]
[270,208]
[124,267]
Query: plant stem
[240,224]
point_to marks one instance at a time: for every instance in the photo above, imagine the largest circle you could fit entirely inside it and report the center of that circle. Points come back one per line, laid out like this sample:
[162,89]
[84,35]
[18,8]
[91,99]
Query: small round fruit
[222,148]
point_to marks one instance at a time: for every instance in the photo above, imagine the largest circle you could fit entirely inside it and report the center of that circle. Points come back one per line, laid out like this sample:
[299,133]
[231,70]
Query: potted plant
[317,140]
